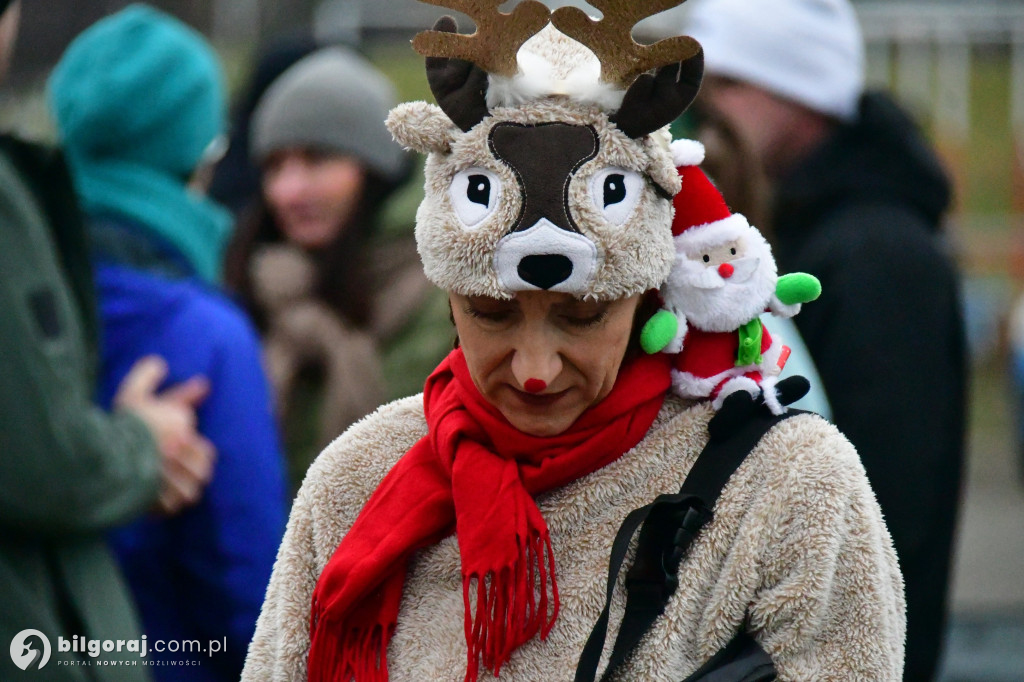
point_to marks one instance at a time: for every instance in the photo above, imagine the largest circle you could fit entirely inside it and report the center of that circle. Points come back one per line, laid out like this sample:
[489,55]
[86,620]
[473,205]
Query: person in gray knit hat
[304,106]
[305,260]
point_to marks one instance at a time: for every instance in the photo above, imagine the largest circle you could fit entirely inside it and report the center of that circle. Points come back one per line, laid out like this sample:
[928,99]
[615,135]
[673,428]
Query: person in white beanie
[784,71]
[857,200]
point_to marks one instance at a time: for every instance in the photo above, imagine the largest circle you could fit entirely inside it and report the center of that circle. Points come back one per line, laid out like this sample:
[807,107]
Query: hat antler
[610,38]
[497,39]
[651,101]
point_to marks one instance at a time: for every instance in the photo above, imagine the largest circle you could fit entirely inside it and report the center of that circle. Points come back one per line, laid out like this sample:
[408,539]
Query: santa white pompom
[723,278]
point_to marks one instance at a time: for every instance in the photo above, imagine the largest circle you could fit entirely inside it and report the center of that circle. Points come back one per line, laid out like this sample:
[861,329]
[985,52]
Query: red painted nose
[534,385]
[726,270]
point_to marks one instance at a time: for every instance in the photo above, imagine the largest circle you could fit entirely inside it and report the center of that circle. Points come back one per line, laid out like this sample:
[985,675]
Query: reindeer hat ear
[421,127]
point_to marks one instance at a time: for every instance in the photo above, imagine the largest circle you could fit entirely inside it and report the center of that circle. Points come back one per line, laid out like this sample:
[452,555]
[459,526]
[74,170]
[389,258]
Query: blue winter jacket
[200,575]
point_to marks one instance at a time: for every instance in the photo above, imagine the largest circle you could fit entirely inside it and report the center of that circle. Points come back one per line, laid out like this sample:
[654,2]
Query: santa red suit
[708,360]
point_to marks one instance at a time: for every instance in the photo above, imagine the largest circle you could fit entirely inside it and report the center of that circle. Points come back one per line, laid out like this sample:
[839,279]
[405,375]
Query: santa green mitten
[791,291]
[663,332]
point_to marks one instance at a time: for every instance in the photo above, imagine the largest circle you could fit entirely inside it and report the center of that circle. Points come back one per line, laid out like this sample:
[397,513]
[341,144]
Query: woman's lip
[538,399]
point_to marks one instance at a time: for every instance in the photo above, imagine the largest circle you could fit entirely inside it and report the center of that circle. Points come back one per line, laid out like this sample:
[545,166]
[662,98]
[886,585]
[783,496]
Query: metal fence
[925,51]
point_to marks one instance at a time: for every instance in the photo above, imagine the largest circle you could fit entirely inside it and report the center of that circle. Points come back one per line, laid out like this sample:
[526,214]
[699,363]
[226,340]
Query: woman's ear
[422,127]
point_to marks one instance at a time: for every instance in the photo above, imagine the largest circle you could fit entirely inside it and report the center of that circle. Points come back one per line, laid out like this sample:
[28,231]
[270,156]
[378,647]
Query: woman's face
[543,358]
[312,195]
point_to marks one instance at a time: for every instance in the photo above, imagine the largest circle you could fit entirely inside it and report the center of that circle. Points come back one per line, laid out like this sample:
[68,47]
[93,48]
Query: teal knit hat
[138,98]
[142,87]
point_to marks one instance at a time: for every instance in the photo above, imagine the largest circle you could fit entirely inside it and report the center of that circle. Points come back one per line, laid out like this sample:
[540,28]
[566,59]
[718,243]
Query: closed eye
[582,314]
[585,322]
[494,315]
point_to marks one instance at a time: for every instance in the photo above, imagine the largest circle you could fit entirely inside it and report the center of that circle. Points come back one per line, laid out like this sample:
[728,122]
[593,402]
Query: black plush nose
[545,271]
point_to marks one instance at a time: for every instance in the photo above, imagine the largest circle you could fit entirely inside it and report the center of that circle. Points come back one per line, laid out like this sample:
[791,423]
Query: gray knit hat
[333,100]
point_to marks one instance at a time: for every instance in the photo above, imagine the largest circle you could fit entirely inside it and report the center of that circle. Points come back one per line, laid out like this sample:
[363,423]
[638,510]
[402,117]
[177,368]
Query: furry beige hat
[549,166]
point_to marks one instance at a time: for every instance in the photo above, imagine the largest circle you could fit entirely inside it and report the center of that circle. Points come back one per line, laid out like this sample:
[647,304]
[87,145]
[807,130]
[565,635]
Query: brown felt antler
[610,38]
[497,39]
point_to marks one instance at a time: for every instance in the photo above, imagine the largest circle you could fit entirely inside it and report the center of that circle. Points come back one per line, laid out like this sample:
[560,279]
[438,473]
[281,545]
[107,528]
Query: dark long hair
[343,279]
[734,167]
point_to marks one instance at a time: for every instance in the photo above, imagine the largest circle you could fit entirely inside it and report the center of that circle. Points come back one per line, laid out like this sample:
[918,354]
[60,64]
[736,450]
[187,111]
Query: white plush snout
[547,257]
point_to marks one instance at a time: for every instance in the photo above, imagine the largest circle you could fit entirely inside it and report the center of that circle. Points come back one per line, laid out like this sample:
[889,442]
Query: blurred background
[957,64]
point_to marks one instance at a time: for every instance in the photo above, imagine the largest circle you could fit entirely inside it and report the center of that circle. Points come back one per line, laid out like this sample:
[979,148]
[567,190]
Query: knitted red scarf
[476,474]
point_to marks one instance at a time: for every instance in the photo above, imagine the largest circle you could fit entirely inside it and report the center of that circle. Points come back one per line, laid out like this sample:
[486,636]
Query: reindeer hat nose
[546,257]
[546,270]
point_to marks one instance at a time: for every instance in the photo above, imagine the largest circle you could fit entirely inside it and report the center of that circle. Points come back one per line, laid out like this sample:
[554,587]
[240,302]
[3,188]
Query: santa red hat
[702,218]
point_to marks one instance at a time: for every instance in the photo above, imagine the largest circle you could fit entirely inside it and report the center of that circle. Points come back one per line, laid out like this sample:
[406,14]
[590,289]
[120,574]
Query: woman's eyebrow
[486,301]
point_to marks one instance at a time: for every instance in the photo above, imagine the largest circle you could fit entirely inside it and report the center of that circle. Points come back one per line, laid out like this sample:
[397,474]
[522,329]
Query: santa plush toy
[723,278]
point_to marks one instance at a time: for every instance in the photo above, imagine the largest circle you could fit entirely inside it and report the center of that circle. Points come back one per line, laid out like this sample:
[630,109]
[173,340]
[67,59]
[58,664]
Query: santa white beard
[716,304]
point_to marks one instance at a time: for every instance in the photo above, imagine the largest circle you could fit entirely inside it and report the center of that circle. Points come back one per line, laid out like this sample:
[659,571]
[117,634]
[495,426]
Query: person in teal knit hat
[139,105]
[136,129]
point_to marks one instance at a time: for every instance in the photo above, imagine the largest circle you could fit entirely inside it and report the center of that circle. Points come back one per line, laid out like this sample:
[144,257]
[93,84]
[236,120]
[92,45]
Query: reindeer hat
[549,164]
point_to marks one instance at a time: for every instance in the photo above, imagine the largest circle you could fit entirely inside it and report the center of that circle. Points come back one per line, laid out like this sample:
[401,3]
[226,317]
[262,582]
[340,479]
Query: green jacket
[68,470]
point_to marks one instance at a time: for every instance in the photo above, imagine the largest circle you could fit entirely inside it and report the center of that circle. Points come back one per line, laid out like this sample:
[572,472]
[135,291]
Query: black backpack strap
[668,526]
[741,660]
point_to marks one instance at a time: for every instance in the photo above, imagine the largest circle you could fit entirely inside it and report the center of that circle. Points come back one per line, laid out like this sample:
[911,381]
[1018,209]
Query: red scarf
[476,474]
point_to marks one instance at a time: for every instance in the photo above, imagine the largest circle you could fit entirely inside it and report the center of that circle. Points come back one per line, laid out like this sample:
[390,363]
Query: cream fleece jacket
[797,547]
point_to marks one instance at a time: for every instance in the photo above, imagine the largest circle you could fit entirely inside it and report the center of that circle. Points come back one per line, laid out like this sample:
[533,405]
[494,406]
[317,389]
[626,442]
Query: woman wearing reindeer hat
[467,532]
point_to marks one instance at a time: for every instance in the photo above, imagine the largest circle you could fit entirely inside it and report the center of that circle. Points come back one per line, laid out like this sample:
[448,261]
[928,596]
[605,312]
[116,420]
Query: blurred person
[69,470]
[138,103]
[236,179]
[857,200]
[325,294]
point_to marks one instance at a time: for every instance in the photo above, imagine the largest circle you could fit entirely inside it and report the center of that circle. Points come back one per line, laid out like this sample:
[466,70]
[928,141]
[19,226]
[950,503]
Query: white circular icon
[25,651]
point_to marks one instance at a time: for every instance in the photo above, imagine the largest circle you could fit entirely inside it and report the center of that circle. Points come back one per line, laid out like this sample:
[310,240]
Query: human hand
[187,457]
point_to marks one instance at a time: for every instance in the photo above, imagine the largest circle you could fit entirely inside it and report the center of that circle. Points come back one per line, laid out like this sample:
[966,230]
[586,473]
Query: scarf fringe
[359,654]
[512,605]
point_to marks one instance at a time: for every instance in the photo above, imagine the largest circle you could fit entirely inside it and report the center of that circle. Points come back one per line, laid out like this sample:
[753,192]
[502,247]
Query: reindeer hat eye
[474,193]
[615,192]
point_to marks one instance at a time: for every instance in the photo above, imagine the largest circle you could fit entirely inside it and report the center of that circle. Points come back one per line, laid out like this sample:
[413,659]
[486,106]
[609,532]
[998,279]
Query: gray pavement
[985,641]
[987,647]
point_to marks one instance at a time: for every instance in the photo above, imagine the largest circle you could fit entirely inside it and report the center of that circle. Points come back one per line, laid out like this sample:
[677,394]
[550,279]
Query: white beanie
[809,51]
